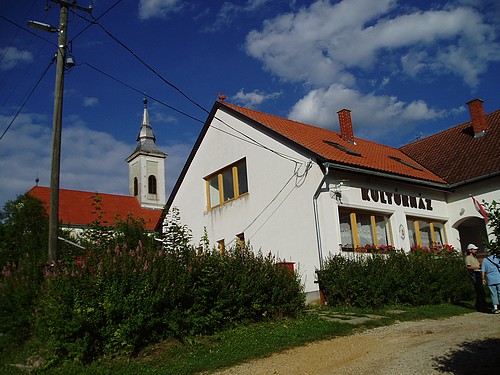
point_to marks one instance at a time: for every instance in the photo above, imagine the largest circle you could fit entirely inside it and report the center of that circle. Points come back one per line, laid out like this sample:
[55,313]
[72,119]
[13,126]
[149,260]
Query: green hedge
[118,301]
[415,278]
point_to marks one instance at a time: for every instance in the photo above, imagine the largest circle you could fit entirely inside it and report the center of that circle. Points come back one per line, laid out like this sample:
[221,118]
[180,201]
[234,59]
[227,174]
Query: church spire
[147,167]
[146,139]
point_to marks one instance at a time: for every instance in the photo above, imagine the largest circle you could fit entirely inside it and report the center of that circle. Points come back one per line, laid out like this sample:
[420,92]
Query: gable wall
[277,213]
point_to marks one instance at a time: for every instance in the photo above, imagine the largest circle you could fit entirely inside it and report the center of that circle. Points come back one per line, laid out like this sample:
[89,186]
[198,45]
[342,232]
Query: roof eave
[474,179]
[349,168]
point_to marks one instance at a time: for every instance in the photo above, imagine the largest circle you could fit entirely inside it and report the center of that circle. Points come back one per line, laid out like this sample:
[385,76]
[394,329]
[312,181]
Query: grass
[228,348]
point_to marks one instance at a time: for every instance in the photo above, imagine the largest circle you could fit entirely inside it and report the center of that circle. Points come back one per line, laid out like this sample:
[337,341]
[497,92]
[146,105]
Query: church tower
[146,167]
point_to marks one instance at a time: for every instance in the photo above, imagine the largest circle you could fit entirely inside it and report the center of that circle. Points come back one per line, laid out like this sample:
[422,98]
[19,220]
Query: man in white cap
[474,268]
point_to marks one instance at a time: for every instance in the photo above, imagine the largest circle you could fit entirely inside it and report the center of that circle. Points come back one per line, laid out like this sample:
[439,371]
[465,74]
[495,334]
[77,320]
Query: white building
[303,192]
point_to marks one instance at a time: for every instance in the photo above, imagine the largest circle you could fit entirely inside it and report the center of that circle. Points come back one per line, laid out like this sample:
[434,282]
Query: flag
[479,207]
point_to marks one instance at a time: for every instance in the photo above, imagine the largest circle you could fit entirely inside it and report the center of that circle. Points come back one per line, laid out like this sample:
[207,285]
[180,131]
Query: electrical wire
[243,136]
[140,92]
[143,62]
[296,175]
[92,22]
[150,67]
[28,30]
[27,98]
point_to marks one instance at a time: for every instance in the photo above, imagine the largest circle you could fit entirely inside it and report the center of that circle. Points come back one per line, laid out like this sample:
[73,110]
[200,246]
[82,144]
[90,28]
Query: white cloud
[90,160]
[374,117]
[90,101]
[158,8]
[254,98]
[325,43]
[11,56]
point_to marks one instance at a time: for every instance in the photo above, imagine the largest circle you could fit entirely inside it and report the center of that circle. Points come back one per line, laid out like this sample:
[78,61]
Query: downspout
[316,217]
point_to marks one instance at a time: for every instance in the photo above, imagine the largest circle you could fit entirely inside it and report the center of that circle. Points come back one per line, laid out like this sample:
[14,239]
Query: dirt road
[468,344]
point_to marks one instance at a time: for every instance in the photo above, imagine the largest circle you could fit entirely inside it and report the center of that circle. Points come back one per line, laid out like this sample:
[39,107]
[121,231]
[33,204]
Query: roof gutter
[436,185]
[475,179]
[316,215]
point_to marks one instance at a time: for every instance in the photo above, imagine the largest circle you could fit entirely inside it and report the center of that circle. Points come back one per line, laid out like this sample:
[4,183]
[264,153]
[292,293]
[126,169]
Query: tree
[23,230]
[493,212]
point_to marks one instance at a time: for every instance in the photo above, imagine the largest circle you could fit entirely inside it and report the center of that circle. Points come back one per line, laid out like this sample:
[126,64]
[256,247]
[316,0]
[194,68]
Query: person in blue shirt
[491,276]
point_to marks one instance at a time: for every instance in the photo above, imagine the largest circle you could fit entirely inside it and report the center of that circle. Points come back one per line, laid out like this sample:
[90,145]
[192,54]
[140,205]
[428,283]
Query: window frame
[225,197]
[433,225]
[136,187]
[152,185]
[354,230]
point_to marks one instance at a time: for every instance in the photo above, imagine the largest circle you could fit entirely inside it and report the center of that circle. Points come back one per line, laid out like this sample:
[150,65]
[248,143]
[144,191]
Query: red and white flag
[480,209]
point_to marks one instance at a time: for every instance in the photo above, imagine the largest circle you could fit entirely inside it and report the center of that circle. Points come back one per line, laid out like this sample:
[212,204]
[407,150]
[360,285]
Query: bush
[118,301]
[418,278]
[23,252]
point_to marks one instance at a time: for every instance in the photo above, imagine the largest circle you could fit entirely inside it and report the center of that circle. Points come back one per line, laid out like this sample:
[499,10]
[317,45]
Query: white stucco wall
[142,167]
[277,214]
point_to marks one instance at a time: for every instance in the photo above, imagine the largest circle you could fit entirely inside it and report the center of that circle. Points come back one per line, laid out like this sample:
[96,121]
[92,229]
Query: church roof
[78,208]
[146,139]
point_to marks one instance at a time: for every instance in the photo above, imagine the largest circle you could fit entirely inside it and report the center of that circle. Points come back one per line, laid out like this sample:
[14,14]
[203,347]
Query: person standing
[474,268]
[491,277]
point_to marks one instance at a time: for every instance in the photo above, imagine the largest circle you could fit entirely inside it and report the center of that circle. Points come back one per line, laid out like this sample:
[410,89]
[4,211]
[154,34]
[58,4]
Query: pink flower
[6,272]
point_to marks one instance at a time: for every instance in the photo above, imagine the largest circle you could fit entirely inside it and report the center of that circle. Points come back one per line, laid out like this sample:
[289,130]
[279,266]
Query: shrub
[23,251]
[493,212]
[118,301]
[418,278]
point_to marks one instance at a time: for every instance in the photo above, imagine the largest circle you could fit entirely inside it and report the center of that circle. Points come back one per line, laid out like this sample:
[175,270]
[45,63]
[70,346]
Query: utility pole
[56,135]
[57,126]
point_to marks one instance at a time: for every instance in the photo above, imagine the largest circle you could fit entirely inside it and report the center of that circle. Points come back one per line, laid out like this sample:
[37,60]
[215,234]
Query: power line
[28,30]
[150,68]
[142,93]
[27,98]
[92,22]
[143,62]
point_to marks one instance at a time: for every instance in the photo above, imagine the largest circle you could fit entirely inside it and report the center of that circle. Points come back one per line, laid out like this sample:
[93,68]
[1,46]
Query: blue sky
[404,68]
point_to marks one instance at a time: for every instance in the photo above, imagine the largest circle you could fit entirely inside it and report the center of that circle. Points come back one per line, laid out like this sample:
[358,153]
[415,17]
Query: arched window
[136,187]
[152,184]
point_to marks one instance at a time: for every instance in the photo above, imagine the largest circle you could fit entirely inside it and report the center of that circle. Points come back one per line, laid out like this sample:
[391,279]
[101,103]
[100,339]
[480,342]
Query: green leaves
[415,279]
[121,300]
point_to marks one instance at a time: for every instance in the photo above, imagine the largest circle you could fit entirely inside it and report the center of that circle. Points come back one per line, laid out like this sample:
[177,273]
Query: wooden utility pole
[56,135]
[57,126]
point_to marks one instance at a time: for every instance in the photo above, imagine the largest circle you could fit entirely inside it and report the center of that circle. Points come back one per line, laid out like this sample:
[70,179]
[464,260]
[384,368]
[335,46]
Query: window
[152,184]
[240,240]
[226,185]
[342,148]
[221,246]
[136,187]
[425,232]
[405,163]
[358,229]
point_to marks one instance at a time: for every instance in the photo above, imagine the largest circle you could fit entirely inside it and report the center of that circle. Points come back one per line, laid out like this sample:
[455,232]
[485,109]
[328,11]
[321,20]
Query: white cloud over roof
[330,48]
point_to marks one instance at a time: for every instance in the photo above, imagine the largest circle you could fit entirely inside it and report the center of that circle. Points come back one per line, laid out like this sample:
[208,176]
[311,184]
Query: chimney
[346,125]
[477,117]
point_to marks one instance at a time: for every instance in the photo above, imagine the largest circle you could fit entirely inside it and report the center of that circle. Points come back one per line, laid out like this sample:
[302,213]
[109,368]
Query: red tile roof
[76,207]
[456,156]
[373,156]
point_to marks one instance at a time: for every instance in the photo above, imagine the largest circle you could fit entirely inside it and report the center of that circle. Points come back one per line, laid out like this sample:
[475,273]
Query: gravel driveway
[467,344]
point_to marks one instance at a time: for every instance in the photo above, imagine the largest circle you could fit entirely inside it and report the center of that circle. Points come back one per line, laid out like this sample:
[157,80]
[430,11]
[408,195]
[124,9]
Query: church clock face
[402,231]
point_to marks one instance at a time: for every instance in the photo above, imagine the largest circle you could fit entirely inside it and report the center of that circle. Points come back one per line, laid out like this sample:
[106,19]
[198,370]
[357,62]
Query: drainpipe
[316,217]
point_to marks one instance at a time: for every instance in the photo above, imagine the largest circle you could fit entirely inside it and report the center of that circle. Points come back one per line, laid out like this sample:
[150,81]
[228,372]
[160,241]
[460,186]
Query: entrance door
[473,230]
